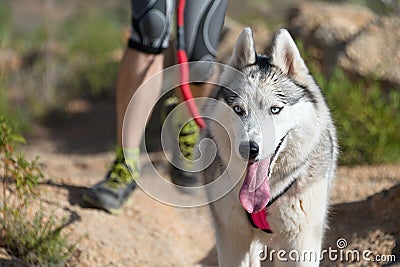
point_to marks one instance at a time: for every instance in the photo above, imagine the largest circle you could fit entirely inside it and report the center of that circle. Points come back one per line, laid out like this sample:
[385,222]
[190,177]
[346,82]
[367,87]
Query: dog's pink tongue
[254,194]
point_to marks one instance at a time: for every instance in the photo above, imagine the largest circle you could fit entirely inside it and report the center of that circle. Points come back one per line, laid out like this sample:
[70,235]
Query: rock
[231,32]
[375,51]
[327,25]
[351,37]
[325,28]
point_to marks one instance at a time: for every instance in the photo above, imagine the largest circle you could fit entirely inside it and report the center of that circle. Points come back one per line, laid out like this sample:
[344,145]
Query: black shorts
[152,22]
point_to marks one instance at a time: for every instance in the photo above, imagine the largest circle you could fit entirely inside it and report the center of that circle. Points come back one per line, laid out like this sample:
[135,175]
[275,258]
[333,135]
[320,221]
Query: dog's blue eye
[275,110]
[238,110]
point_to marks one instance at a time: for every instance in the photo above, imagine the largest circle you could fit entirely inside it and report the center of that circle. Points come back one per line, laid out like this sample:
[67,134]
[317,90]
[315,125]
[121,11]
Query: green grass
[91,41]
[38,240]
[25,230]
[4,24]
[17,118]
[63,59]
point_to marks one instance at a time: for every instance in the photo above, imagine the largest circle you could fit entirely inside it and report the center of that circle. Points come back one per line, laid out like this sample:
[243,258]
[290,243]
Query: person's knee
[135,56]
[151,26]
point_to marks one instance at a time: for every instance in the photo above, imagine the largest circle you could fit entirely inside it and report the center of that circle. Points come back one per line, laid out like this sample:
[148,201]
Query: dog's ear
[286,56]
[244,52]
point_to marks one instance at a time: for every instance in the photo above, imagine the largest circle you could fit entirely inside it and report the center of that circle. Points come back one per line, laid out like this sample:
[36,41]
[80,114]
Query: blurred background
[58,65]
[59,57]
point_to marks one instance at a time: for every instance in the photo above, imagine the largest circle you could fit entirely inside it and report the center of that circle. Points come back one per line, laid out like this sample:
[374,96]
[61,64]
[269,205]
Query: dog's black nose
[249,150]
[254,149]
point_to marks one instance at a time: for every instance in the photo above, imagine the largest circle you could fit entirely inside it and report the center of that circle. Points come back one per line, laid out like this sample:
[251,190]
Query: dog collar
[259,219]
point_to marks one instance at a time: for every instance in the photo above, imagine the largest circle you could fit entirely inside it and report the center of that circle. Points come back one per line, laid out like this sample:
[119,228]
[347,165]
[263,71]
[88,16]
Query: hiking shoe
[187,139]
[119,183]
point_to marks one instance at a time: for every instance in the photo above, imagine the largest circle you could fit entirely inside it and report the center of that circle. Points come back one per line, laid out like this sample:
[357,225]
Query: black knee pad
[151,25]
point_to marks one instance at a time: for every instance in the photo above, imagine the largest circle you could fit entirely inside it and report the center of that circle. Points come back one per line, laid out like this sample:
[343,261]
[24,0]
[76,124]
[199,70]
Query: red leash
[184,68]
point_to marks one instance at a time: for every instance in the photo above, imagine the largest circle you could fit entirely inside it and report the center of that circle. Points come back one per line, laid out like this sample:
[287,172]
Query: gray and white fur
[305,150]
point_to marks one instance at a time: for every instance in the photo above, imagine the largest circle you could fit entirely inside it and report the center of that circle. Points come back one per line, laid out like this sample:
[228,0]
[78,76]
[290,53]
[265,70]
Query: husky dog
[281,198]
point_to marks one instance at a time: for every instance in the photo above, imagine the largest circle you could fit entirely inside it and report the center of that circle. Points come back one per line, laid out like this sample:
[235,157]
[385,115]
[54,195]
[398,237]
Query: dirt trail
[365,209]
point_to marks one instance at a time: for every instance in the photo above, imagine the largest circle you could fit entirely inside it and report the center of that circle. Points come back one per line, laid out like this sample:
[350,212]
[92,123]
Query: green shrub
[367,119]
[36,238]
[15,167]
[366,115]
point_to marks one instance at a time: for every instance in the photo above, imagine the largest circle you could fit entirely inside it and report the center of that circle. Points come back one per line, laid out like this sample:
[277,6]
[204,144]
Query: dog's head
[275,102]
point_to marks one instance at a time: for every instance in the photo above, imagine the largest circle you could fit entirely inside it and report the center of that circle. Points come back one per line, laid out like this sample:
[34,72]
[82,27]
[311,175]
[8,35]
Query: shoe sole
[114,211]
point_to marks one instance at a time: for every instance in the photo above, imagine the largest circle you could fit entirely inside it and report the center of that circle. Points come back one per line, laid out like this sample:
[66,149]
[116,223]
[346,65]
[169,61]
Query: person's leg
[203,24]
[136,67]
[142,59]
[202,27]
